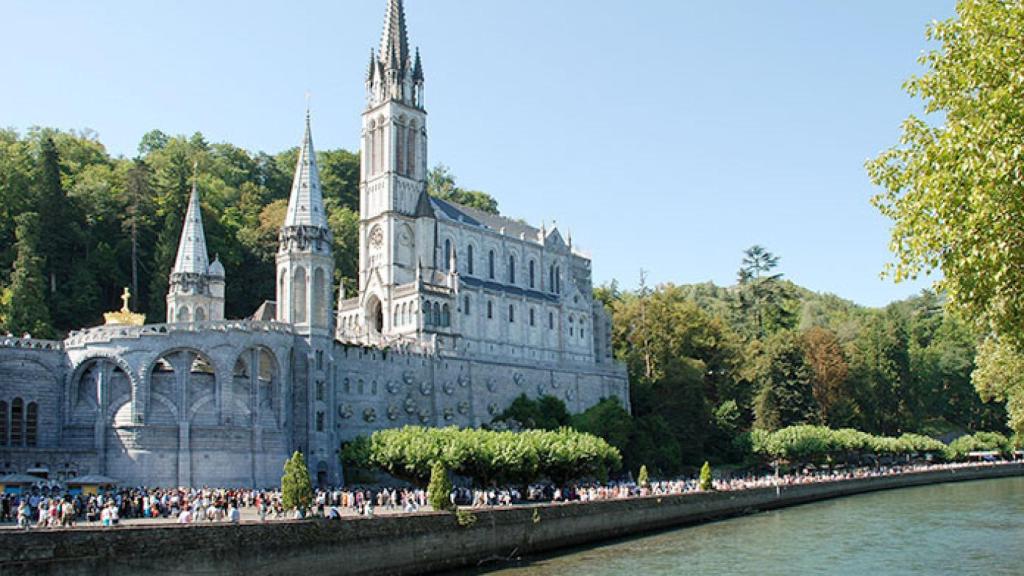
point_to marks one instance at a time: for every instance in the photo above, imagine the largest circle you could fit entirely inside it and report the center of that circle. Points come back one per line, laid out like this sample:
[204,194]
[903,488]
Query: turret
[196,288]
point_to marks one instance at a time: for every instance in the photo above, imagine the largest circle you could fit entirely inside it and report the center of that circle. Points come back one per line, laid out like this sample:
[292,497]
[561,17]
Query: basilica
[458,312]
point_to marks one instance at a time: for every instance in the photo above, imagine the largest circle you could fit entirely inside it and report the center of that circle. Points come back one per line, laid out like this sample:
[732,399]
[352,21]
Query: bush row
[816,443]
[485,456]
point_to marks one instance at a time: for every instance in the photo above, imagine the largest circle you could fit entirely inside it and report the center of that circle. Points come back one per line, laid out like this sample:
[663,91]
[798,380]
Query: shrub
[705,477]
[440,489]
[296,488]
[641,478]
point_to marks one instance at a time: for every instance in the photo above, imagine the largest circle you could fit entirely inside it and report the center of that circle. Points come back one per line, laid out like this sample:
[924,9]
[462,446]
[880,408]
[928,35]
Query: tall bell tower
[397,224]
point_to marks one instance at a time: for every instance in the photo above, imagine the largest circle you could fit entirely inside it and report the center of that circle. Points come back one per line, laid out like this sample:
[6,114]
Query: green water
[966,528]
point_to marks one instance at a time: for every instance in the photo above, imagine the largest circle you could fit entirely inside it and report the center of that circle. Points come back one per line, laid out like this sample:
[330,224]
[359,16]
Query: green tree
[953,184]
[23,306]
[642,479]
[785,394]
[705,477]
[440,489]
[441,184]
[296,488]
[761,294]
[544,413]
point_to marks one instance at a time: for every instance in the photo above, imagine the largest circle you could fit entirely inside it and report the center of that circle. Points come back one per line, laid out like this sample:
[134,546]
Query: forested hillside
[78,225]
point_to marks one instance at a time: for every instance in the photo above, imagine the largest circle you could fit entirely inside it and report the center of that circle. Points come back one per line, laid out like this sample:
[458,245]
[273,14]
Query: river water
[963,528]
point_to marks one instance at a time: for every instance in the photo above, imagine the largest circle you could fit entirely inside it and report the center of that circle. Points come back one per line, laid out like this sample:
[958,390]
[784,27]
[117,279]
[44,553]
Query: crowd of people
[49,507]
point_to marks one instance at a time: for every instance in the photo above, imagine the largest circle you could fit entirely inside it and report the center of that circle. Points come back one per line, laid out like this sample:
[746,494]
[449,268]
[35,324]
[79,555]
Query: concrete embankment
[409,544]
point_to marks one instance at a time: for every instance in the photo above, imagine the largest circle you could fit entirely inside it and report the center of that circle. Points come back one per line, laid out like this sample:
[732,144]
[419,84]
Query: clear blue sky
[667,135]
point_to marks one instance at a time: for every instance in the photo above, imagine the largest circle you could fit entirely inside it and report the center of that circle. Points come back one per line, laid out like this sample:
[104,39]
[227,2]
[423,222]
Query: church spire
[306,203]
[192,256]
[394,44]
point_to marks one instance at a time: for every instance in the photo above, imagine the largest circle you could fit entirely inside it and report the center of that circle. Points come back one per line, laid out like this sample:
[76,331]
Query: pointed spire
[372,67]
[417,68]
[192,256]
[394,44]
[306,203]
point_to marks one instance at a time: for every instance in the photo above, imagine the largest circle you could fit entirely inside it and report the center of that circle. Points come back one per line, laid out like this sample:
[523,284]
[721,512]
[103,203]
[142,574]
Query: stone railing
[107,333]
[30,343]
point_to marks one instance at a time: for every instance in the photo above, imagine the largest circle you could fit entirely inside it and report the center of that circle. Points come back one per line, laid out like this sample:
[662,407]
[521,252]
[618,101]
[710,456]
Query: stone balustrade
[81,338]
[30,343]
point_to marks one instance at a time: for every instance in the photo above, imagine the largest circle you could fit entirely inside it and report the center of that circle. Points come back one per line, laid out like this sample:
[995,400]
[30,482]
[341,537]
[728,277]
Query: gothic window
[465,305]
[469,259]
[371,146]
[551,281]
[490,309]
[511,269]
[447,254]
[299,296]
[319,421]
[426,313]
[347,385]
[531,317]
[373,388]
[570,325]
[361,387]
[183,316]
[511,313]
[319,359]
[17,421]
[446,316]
[3,423]
[558,279]
[532,275]
[410,150]
[401,149]
[320,297]
[551,320]
[200,314]
[320,391]
[437,314]
[31,424]
[394,317]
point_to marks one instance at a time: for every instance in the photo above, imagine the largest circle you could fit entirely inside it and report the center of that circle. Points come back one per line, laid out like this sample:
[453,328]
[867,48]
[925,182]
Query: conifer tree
[23,305]
[705,477]
[440,488]
[57,217]
[642,479]
[296,488]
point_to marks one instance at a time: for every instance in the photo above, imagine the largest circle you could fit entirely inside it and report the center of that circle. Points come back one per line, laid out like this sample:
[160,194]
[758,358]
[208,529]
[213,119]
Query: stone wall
[406,544]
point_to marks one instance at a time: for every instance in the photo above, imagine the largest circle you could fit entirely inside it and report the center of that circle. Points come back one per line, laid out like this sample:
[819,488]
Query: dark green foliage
[441,184]
[23,303]
[785,396]
[440,488]
[545,413]
[296,488]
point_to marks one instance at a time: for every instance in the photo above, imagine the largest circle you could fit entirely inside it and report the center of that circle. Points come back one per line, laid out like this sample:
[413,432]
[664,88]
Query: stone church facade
[458,313]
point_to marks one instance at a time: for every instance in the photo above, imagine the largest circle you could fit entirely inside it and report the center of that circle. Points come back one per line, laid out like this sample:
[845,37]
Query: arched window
[532,275]
[551,280]
[511,269]
[410,149]
[299,296]
[558,279]
[381,149]
[532,319]
[200,314]
[490,264]
[17,422]
[371,146]
[446,316]
[490,309]
[405,314]
[465,305]
[551,320]
[3,423]
[427,318]
[469,259]
[570,325]
[394,317]
[31,424]
[319,421]
[321,294]
[511,313]
[183,316]
[447,254]
[401,149]
[437,314]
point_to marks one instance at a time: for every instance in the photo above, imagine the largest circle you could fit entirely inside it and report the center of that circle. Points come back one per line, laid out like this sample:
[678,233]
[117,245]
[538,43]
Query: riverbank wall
[410,544]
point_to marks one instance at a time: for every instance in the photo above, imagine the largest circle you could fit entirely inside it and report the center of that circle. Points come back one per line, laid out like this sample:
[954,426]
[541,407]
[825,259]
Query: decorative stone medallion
[426,388]
[393,387]
[449,388]
[345,410]
[370,415]
[463,407]
[393,412]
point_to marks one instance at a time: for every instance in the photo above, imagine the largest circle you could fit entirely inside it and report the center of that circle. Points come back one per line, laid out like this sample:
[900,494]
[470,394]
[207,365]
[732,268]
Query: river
[960,528]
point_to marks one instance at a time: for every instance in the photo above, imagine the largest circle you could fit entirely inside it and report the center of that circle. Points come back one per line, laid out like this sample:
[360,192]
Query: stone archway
[375,315]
